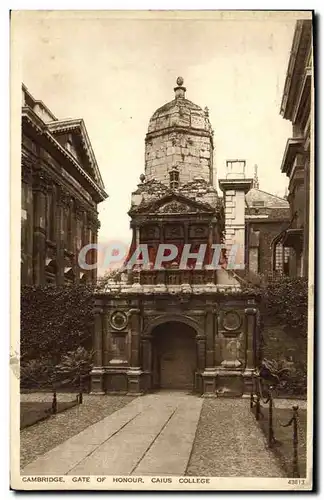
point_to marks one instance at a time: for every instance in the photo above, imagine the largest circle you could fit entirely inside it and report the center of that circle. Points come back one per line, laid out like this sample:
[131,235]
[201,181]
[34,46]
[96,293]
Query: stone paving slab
[166,434]
[118,443]
[170,452]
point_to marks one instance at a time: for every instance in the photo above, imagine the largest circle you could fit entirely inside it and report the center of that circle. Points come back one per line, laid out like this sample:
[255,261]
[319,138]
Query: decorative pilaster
[201,352]
[209,328]
[146,342]
[27,216]
[251,346]
[106,337]
[134,372]
[209,374]
[97,371]
[39,239]
[250,319]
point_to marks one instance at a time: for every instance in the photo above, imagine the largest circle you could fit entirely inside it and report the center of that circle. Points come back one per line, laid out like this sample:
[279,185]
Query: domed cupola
[179,139]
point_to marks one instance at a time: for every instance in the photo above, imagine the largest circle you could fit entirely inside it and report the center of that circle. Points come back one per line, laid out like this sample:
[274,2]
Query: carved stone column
[27,217]
[78,238]
[209,374]
[251,345]
[147,360]
[106,338]
[201,352]
[97,371]
[39,240]
[61,204]
[250,313]
[134,372]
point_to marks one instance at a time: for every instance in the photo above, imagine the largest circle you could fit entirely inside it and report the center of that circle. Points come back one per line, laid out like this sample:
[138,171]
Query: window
[279,258]
[174,179]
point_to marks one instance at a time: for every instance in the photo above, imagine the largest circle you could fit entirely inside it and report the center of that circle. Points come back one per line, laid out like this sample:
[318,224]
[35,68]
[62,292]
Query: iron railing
[257,396]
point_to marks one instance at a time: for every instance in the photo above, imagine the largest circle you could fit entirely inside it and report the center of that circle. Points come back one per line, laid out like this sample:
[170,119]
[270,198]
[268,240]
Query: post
[295,442]
[252,393]
[54,403]
[270,430]
[257,408]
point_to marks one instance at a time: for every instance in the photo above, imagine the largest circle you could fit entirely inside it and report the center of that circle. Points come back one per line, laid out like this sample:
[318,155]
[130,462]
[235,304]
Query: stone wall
[192,154]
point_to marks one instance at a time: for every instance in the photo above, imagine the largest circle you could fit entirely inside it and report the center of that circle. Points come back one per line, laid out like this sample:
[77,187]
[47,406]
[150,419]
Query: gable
[173,204]
[261,199]
[73,136]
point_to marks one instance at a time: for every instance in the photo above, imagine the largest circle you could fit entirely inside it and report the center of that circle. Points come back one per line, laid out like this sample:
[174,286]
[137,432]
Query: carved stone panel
[118,320]
[198,232]
[172,232]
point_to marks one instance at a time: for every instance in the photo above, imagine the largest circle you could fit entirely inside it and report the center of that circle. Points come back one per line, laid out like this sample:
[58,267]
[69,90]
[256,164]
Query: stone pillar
[27,216]
[137,236]
[39,240]
[60,211]
[201,352]
[186,232]
[106,338]
[251,347]
[97,371]
[147,361]
[209,328]
[78,238]
[209,374]
[134,372]
[235,187]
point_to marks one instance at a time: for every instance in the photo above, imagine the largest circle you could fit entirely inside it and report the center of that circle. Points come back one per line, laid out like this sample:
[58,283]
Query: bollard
[257,407]
[296,472]
[54,403]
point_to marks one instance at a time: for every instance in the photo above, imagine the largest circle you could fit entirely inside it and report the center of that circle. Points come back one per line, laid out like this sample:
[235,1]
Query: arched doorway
[174,356]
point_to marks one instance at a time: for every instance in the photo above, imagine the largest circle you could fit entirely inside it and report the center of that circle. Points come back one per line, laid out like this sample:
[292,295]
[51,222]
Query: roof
[180,112]
[257,196]
[297,61]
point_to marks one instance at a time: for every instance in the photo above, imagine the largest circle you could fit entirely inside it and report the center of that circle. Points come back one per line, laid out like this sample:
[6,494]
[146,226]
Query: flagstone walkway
[155,435]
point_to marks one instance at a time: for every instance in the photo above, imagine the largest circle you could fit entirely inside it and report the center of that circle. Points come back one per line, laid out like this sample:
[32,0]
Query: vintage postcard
[162,250]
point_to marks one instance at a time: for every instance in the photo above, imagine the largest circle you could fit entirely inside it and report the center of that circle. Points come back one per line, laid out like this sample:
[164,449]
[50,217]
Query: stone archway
[174,357]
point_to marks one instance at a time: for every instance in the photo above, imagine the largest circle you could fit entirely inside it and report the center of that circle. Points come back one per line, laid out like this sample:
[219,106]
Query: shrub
[55,320]
[75,367]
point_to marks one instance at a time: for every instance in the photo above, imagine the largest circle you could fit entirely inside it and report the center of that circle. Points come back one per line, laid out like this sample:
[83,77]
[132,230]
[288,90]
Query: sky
[115,69]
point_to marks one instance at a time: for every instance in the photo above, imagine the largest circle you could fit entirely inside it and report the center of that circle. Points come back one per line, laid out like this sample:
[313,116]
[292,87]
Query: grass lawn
[283,449]
[33,412]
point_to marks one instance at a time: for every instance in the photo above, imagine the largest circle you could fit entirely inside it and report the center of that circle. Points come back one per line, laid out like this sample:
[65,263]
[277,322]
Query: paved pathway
[155,434]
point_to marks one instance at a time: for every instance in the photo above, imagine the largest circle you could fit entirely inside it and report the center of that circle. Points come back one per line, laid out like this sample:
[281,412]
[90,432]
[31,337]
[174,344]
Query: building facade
[179,327]
[266,216]
[296,107]
[61,188]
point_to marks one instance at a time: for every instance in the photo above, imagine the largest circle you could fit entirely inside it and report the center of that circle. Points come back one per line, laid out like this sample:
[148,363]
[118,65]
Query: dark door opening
[174,356]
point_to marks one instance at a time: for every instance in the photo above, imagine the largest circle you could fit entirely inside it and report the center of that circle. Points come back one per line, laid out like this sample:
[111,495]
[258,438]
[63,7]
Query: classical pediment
[73,136]
[173,204]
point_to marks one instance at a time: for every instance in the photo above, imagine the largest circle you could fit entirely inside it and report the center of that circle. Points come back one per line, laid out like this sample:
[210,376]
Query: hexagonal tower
[179,137]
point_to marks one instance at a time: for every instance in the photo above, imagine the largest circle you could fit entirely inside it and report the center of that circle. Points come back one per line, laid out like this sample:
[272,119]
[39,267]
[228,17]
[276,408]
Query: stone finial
[206,111]
[142,178]
[180,90]
[255,178]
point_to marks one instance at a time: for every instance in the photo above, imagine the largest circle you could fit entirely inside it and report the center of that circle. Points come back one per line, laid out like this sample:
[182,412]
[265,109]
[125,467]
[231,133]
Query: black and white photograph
[162,221]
